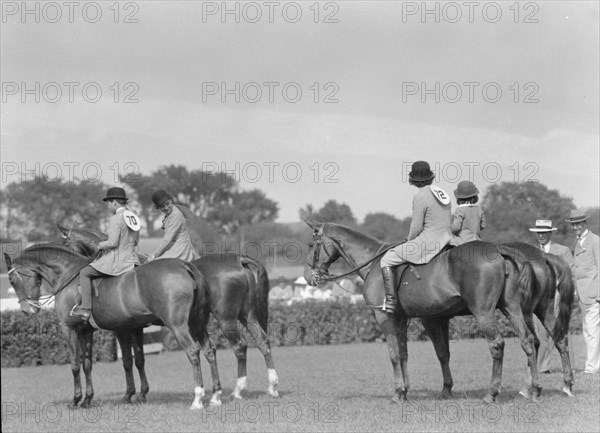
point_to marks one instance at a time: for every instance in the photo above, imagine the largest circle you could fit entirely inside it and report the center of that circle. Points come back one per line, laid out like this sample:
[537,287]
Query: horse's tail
[566,290]
[200,311]
[259,297]
[527,282]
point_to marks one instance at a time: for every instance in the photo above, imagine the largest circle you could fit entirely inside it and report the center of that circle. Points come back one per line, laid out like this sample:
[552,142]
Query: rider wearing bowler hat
[468,219]
[176,242]
[119,249]
[429,229]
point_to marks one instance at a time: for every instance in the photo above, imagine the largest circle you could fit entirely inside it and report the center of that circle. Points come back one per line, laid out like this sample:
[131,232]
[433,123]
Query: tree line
[230,216]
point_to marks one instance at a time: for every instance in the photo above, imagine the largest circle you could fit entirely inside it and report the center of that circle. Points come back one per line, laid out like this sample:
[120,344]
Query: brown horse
[474,278]
[239,295]
[552,277]
[168,292]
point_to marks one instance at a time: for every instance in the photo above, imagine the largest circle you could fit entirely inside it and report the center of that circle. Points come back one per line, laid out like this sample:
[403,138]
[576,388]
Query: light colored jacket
[562,252]
[429,229]
[176,242]
[120,253]
[587,263]
[467,222]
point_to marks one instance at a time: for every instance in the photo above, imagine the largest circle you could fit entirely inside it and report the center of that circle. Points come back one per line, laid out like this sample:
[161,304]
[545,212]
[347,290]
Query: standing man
[544,230]
[176,242]
[120,249]
[587,263]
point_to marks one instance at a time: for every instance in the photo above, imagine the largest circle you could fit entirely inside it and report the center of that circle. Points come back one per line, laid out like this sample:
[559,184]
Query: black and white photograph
[300,216]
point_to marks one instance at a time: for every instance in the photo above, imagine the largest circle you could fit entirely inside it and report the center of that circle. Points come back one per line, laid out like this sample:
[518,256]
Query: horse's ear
[312,224]
[62,229]
[8,261]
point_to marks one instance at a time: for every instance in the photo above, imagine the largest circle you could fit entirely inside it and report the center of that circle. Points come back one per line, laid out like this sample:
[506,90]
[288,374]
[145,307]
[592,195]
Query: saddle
[408,273]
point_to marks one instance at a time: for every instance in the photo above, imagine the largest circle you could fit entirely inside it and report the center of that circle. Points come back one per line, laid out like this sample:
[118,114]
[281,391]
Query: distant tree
[511,209]
[332,211]
[32,209]
[244,208]
[385,227]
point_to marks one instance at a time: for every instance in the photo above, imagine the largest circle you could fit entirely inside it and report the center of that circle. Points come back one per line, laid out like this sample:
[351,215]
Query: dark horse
[168,292]
[550,273]
[239,294]
[474,278]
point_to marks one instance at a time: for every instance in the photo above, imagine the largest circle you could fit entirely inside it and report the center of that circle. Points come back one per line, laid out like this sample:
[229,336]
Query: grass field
[323,388]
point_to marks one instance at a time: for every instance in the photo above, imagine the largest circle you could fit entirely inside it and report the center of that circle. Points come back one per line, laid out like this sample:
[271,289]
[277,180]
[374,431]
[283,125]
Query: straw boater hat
[577,216]
[543,226]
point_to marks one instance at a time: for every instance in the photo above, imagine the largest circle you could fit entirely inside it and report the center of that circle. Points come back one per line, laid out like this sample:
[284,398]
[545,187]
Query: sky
[306,101]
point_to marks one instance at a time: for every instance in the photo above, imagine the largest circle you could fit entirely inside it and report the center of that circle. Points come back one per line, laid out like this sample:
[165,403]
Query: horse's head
[82,241]
[27,284]
[322,252]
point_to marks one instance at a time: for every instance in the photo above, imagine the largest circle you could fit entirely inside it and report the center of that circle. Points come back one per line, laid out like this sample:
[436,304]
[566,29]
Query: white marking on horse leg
[197,404]
[216,399]
[239,387]
[273,382]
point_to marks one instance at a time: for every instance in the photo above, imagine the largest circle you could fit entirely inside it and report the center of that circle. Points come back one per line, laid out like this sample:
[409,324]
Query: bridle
[321,274]
[32,301]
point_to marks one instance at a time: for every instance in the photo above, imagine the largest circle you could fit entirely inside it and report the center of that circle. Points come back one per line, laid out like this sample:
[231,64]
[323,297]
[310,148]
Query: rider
[468,219]
[429,229]
[121,255]
[176,242]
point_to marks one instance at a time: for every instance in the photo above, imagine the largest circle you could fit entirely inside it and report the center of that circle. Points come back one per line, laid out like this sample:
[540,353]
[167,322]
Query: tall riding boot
[84,310]
[390,302]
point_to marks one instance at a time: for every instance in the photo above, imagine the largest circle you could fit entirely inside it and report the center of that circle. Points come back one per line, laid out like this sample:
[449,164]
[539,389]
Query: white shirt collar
[583,235]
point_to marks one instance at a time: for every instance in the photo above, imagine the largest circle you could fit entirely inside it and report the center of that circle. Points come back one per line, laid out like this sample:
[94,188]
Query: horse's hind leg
[125,341]
[210,353]
[395,329]
[262,342]
[563,349]
[140,361]
[75,356]
[86,340]
[240,347]
[488,323]
[192,350]
[438,331]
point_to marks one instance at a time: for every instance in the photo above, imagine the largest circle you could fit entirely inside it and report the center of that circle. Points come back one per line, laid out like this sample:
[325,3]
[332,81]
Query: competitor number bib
[132,220]
[440,195]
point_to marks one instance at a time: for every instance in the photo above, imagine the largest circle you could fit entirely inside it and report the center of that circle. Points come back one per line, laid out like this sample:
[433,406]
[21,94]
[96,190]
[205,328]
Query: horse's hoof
[141,399]
[525,393]
[399,396]
[568,391]
[273,392]
[196,406]
[236,396]
[489,399]
[446,395]
[126,400]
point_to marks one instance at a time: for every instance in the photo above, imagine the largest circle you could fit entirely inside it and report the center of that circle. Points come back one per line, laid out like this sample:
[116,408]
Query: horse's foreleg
[125,338]
[262,342]
[140,363]
[192,350]
[438,332]
[210,353]
[488,323]
[86,340]
[397,350]
[239,346]
[75,357]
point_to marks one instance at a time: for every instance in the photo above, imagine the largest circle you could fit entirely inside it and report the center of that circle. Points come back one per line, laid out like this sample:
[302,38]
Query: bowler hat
[577,216]
[159,197]
[115,193]
[421,172]
[466,189]
[543,226]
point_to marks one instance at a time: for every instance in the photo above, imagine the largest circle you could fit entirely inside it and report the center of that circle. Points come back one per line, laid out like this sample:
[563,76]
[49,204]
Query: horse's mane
[50,251]
[93,232]
[331,228]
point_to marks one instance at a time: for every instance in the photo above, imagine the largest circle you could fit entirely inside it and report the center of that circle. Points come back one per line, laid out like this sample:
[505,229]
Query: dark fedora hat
[577,216]
[114,193]
[159,197]
[421,172]
[466,189]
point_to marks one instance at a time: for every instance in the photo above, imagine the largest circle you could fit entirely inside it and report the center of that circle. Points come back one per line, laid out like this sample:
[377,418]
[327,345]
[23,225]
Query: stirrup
[81,312]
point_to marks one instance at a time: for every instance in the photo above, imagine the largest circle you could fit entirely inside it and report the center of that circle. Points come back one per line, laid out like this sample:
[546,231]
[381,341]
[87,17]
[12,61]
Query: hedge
[38,340]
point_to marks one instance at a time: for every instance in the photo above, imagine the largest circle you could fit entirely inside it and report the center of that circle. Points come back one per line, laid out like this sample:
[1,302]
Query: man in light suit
[544,230]
[176,242]
[587,263]
[120,254]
